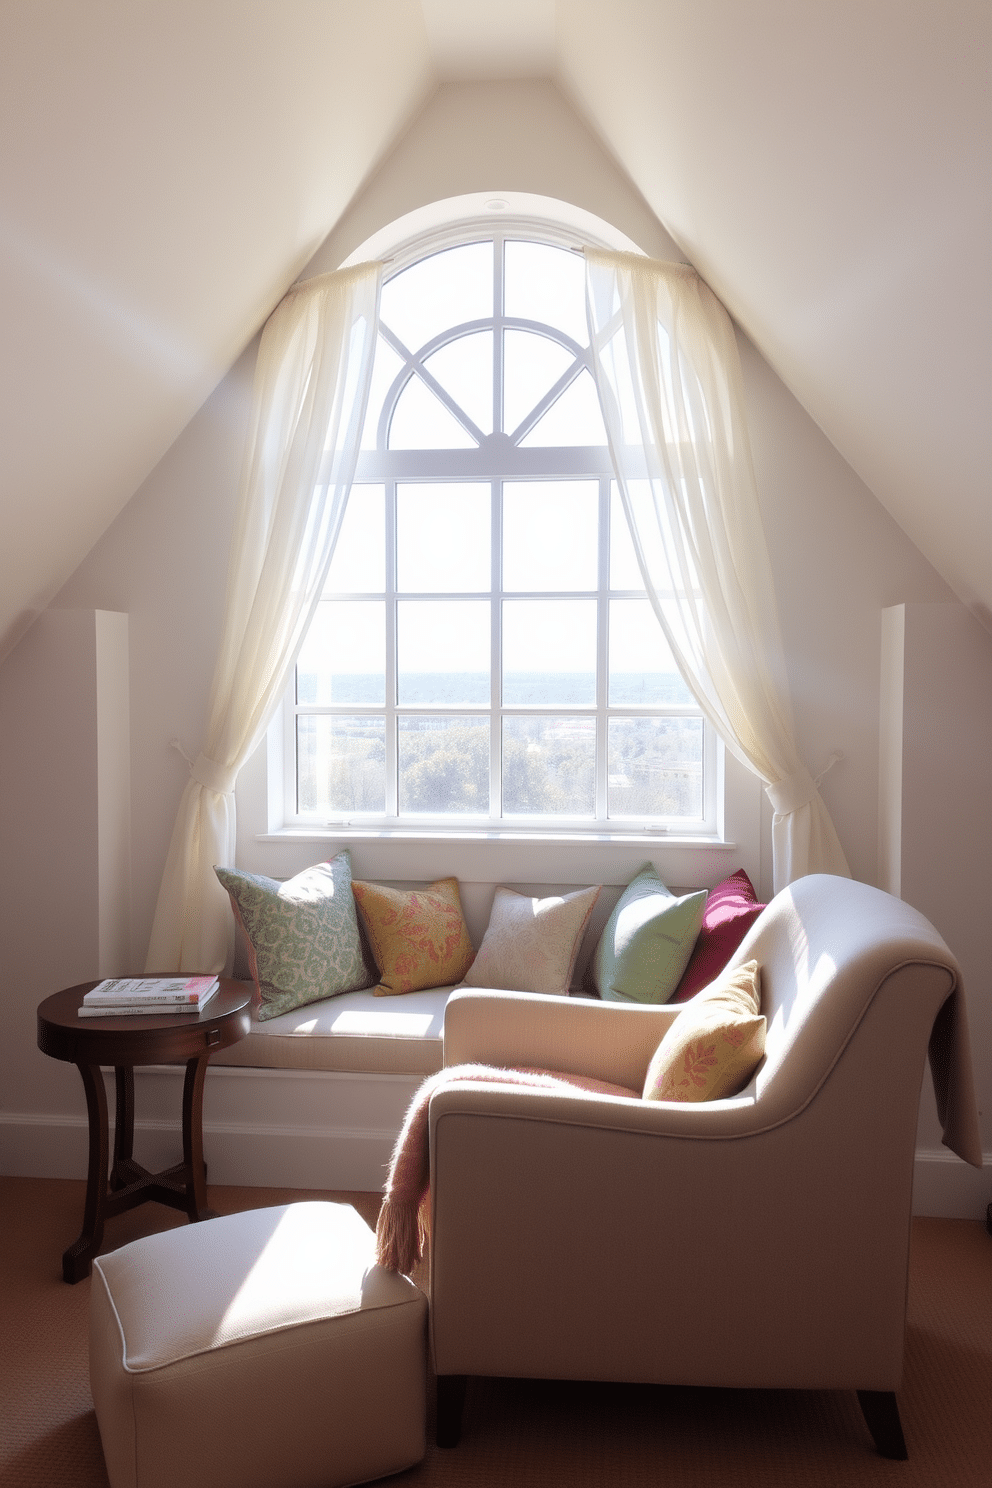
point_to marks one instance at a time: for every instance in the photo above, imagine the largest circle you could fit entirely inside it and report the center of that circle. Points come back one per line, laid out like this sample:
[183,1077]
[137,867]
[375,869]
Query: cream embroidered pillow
[715,1044]
[531,944]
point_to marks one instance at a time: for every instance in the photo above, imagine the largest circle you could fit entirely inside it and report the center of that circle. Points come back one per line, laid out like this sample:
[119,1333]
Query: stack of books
[122,997]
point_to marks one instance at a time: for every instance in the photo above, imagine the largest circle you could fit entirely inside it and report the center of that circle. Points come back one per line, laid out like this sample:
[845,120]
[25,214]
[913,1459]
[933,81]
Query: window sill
[488,857]
[347,831]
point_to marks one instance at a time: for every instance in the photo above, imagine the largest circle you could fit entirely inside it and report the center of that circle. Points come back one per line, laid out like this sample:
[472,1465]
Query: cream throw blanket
[403,1223]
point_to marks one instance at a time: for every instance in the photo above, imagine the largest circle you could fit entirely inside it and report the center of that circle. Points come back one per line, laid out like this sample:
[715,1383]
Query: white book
[116,991]
[120,1009]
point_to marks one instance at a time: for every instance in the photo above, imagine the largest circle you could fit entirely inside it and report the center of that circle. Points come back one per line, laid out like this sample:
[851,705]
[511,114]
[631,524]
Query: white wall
[65,834]
[837,557]
[935,822]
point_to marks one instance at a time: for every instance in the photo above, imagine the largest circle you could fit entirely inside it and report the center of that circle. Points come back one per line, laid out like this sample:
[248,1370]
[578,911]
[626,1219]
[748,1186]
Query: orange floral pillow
[418,936]
[715,1044]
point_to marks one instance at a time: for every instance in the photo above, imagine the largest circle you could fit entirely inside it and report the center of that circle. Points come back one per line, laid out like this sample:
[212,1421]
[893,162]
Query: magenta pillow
[731,909]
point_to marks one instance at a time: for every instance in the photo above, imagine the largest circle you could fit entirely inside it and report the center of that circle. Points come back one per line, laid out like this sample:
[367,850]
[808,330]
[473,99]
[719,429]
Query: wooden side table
[167,1038]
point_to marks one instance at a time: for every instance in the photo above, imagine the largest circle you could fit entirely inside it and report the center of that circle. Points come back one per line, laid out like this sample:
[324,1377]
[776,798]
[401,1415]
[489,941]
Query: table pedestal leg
[196,1172]
[76,1260]
[123,1168]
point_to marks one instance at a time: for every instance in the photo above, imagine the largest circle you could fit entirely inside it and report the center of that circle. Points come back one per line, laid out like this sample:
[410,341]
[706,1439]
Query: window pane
[442,538]
[341,764]
[655,767]
[441,291]
[386,367]
[574,419]
[444,765]
[549,651]
[642,669]
[549,284]
[531,365]
[343,659]
[549,766]
[624,570]
[550,534]
[359,562]
[464,368]
[421,421]
[443,650]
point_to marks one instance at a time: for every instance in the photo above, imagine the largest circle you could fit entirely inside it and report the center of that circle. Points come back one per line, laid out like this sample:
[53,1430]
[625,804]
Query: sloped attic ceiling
[167,169]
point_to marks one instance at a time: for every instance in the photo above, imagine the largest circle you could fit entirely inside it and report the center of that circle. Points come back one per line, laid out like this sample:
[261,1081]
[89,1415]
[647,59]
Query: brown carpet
[541,1433]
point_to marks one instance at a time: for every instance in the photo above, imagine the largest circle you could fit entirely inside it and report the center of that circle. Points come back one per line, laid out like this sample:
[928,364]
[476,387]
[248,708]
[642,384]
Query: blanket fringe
[404,1219]
[400,1233]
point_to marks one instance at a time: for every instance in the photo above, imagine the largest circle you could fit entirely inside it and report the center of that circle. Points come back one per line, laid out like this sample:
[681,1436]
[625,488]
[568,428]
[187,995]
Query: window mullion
[291,730]
[603,655]
[496,663]
[496,554]
[392,740]
[498,334]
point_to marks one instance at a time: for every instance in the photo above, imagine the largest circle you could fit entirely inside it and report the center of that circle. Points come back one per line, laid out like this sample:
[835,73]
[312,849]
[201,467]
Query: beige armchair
[757,1241]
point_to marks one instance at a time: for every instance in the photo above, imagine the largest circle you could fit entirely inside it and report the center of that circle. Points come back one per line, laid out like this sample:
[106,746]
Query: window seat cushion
[355,1032]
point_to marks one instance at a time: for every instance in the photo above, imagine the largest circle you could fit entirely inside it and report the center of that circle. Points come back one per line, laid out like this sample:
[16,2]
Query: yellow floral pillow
[715,1044]
[418,936]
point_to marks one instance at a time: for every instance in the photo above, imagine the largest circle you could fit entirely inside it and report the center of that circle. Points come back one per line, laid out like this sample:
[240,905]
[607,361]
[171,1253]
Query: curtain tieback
[797,790]
[789,794]
[215,777]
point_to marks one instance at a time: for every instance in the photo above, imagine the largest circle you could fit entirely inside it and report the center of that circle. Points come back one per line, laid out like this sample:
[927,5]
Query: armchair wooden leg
[450,1402]
[881,1413]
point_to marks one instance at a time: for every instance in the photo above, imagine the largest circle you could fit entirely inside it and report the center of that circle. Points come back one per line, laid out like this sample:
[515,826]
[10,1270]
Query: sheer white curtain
[669,378]
[310,394]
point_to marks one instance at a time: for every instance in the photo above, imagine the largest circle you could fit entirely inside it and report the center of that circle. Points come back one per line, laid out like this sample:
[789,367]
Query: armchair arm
[607,1040]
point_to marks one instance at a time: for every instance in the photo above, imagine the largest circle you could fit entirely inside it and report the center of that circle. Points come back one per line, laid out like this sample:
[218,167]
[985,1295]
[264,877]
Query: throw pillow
[714,1045]
[303,938]
[531,944]
[731,909]
[418,936]
[647,942]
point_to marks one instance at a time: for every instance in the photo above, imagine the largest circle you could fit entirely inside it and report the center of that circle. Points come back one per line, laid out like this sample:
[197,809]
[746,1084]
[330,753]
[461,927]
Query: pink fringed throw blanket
[402,1227]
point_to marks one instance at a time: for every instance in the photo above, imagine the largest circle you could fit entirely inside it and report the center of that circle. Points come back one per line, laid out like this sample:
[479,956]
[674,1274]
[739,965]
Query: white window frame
[273,840]
[492,462]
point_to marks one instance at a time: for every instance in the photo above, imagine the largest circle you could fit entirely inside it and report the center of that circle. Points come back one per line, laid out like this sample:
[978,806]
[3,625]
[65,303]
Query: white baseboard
[264,1128]
[302,1129]
[947,1188]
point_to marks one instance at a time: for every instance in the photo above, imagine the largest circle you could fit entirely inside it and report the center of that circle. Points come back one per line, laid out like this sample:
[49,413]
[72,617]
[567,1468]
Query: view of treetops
[484,647]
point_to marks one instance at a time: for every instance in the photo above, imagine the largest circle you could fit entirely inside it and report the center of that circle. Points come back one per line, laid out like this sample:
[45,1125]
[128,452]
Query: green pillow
[647,942]
[303,938]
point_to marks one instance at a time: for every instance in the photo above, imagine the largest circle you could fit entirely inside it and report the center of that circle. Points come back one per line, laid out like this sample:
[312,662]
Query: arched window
[484,653]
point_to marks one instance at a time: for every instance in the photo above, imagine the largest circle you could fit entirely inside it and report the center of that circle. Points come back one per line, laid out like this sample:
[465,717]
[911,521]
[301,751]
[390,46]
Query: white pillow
[531,944]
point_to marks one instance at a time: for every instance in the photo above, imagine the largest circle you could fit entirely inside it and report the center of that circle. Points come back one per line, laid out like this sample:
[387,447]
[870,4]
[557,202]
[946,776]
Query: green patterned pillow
[647,942]
[303,940]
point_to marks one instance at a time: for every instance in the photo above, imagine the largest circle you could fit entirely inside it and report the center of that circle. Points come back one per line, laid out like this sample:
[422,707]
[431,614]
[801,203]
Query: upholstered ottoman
[257,1350]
